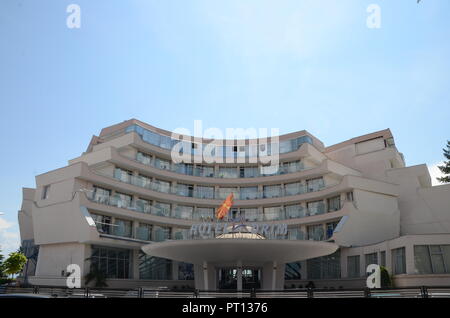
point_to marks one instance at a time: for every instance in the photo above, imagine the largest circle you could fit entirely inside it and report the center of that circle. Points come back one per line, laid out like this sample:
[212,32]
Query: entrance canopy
[233,249]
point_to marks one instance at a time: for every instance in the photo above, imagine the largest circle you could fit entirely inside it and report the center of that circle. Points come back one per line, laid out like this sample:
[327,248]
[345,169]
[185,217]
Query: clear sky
[291,65]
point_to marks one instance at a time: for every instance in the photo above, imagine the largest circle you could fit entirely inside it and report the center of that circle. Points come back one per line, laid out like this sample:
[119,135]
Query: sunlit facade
[125,208]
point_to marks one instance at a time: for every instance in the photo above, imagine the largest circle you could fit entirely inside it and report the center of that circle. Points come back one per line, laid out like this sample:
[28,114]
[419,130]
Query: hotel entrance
[228,277]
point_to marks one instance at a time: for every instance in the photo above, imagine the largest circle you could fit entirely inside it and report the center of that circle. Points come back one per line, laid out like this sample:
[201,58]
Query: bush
[386,280]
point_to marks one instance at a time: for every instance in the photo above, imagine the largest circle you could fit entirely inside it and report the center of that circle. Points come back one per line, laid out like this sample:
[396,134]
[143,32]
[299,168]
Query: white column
[239,275]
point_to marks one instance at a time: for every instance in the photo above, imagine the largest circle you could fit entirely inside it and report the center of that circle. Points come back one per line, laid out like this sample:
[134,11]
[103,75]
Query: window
[144,232]
[113,262]
[204,214]
[273,213]
[154,267]
[293,271]
[144,158]
[315,232]
[315,207]
[45,192]
[161,209]
[143,205]
[330,229]
[161,186]
[186,190]
[249,193]
[224,192]
[123,175]
[205,192]
[295,234]
[185,271]
[399,261]
[252,214]
[326,267]
[432,259]
[162,164]
[294,211]
[180,234]
[161,233]
[334,203]
[103,223]
[353,269]
[228,172]
[349,196]
[122,228]
[293,188]
[121,200]
[101,195]
[371,258]
[272,191]
[183,212]
[383,258]
[315,184]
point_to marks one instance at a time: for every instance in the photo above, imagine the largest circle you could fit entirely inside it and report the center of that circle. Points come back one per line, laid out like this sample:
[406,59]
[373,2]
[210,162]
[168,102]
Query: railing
[64,292]
[220,194]
[145,207]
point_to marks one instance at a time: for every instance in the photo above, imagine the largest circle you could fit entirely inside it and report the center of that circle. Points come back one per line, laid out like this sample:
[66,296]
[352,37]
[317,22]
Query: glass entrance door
[228,278]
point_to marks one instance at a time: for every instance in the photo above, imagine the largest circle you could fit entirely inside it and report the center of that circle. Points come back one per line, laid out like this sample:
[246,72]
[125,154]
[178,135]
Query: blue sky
[291,65]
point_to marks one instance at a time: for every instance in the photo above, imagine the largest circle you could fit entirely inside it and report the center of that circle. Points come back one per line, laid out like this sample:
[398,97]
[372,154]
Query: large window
[228,172]
[293,188]
[295,234]
[252,214]
[272,191]
[161,186]
[144,232]
[161,209]
[371,258]
[432,259]
[205,192]
[122,228]
[294,211]
[183,212]
[121,200]
[293,271]
[186,190]
[224,192]
[103,223]
[315,207]
[161,233]
[154,268]
[143,205]
[334,203]
[315,232]
[273,213]
[185,271]
[144,158]
[249,193]
[204,214]
[123,175]
[353,269]
[325,267]
[162,164]
[315,184]
[113,262]
[180,234]
[101,195]
[399,261]
[330,229]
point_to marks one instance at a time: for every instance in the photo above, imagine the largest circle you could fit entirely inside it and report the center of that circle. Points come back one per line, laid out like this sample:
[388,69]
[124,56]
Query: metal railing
[63,292]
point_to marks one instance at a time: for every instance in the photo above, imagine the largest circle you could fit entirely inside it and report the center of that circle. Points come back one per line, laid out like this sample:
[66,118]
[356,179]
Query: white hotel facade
[126,209]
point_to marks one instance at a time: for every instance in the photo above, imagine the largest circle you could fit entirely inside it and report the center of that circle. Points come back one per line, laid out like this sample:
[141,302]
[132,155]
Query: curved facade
[125,193]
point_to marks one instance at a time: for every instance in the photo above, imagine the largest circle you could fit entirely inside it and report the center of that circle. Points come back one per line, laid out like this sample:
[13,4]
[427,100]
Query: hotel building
[125,208]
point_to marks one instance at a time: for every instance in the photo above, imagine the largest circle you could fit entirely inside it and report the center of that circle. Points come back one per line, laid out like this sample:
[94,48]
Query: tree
[14,263]
[1,264]
[96,275]
[386,280]
[445,168]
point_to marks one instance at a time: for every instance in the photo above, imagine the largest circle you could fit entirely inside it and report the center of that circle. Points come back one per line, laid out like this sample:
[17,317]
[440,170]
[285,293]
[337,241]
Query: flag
[225,207]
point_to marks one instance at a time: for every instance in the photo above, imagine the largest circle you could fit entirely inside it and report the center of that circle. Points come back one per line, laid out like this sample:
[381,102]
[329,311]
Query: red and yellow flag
[225,207]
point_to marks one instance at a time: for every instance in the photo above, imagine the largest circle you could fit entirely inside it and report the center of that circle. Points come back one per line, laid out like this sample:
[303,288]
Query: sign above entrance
[212,230]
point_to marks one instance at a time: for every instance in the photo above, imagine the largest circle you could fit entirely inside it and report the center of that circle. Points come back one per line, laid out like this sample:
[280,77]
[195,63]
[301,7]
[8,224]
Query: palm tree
[96,275]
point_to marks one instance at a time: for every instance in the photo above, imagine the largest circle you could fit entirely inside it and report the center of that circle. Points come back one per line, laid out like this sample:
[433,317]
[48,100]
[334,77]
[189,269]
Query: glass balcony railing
[210,172]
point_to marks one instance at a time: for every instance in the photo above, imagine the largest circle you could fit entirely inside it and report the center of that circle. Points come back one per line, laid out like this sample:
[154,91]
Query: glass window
[383,258]
[272,191]
[294,211]
[161,233]
[399,261]
[204,171]
[144,232]
[144,158]
[204,214]
[101,195]
[249,193]
[180,234]
[326,267]
[162,164]
[122,228]
[45,192]
[353,269]
[161,186]
[123,175]
[371,258]
[334,203]
[293,188]
[143,205]
[143,181]
[224,192]
[205,192]
[228,172]
[114,263]
[330,229]
[121,200]
[186,190]
[161,209]
[273,213]
[316,207]
[249,172]
[296,234]
[292,271]
[183,212]
[315,184]
[315,232]
[154,268]
[103,223]
[185,271]
[432,259]
[252,214]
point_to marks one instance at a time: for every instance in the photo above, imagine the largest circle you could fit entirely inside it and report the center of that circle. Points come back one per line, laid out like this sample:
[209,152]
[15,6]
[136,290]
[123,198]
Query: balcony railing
[219,194]
[210,172]
[180,212]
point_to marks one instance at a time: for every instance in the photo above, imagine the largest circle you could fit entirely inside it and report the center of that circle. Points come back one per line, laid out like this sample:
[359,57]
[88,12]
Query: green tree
[14,263]
[1,264]
[445,168]
[386,280]
[96,275]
